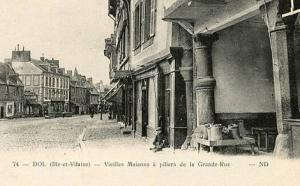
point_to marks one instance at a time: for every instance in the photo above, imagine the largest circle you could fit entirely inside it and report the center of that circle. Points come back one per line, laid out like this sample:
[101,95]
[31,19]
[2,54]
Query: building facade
[11,93]
[92,96]
[78,92]
[45,78]
[199,62]
[31,106]
[118,50]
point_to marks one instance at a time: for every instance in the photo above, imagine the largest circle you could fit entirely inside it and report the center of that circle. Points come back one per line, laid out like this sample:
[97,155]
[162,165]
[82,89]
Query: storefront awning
[114,94]
[121,74]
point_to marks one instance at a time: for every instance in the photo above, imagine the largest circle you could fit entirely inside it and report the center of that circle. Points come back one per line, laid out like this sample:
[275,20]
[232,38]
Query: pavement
[113,158]
[87,135]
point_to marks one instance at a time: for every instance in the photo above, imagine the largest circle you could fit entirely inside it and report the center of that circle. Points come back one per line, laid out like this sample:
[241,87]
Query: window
[35,80]
[137,25]
[149,19]
[144,21]
[57,83]
[9,109]
[46,93]
[27,80]
[53,82]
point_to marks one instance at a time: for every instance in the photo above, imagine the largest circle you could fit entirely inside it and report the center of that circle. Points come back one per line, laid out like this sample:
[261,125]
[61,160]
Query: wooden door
[144,107]
[166,107]
[1,112]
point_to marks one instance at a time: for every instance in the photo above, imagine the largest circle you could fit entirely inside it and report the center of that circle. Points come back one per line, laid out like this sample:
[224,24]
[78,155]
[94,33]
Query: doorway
[1,112]
[144,107]
[166,107]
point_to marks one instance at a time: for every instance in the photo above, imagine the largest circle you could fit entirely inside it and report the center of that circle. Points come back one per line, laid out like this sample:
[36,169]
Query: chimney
[69,72]
[21,56]
[42,58]
[62,70]
[90,80]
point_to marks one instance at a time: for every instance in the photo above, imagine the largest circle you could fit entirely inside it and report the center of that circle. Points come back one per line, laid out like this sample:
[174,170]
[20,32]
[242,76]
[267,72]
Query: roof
[8,75]
[45,66]
[92,88]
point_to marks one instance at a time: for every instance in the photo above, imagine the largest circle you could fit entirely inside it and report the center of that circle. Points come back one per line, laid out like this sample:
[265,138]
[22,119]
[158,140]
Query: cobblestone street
[109,152]
[59,133]
[82,134]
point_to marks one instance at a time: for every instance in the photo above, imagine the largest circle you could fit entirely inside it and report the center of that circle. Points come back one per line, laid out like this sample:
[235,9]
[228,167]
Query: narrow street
[88,135]
[74,133]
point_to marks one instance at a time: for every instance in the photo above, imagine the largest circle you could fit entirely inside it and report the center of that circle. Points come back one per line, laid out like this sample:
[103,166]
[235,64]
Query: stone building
[78,92]
[92,96]
[197,62]
[11,93]
[243,64]
[45,78]
[31,106]
[118,50]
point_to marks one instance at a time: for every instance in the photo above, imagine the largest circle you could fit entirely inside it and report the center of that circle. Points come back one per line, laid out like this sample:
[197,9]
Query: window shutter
[133,29]
[153,17]
[147,19]
[137,25]
[142,17]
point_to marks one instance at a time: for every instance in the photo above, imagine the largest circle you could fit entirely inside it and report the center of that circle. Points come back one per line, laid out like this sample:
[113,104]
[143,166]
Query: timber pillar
[186,71]
[205,82]
[281,33]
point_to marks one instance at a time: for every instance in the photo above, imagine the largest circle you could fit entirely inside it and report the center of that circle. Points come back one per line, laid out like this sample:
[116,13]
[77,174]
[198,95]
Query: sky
[72,31]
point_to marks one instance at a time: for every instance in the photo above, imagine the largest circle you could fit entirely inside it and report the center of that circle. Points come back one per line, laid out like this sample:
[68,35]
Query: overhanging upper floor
[209,16]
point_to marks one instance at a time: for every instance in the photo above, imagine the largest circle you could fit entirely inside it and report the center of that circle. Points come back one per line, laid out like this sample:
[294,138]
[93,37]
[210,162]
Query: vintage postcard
[149,92]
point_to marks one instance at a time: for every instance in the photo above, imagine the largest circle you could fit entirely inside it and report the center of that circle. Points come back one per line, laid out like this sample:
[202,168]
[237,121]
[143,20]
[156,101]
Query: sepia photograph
[149,92]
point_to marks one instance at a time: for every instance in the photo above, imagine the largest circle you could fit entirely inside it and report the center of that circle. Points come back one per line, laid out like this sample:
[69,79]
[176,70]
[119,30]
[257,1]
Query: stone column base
[282,146]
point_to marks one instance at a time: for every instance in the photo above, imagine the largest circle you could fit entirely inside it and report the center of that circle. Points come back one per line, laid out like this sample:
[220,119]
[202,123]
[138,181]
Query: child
[159,140]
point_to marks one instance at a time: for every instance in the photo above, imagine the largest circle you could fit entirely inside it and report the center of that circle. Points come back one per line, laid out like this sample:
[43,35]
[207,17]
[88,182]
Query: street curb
[81,139]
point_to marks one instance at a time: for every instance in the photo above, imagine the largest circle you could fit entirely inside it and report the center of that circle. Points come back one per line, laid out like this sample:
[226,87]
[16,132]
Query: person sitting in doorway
[159,140]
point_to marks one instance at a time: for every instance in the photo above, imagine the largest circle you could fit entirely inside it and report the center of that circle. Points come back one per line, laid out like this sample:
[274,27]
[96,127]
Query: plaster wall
[242,67]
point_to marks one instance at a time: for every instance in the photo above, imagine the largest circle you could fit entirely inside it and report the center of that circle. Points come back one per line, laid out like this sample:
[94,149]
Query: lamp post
[101,109]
